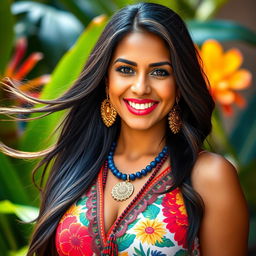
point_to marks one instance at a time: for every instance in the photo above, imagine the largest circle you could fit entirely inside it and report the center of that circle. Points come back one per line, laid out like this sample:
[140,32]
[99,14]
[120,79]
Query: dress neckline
[101,180]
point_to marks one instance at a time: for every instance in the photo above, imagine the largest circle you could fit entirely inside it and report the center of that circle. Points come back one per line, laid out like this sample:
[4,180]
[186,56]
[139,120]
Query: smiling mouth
[140,107]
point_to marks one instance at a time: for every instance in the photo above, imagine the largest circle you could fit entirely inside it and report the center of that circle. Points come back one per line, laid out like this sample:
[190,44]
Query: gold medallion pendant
[122,191]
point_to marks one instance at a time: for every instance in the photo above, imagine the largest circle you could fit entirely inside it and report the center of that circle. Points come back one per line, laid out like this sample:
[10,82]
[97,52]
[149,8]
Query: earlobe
[177,96]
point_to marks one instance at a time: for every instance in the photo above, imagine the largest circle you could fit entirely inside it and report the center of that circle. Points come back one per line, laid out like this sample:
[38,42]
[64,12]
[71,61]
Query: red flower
[176,216]
[73,239]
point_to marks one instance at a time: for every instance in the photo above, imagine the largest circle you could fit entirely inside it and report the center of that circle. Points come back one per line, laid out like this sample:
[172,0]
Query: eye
[159,72]
[125,70]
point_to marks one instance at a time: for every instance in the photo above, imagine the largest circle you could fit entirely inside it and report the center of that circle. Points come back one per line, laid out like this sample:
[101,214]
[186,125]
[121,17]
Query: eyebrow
[132,63]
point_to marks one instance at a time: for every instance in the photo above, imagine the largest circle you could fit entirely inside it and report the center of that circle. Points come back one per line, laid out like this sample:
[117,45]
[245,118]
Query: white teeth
[140,106]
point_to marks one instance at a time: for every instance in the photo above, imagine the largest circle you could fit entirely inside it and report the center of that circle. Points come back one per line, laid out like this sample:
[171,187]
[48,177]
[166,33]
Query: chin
[140,126]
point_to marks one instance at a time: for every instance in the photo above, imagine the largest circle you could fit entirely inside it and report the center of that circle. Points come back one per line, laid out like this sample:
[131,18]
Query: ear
[106,80]
[106,83]
[178,95]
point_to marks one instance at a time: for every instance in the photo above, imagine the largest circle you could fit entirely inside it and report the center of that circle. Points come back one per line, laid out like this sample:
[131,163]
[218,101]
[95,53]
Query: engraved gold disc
[122,191]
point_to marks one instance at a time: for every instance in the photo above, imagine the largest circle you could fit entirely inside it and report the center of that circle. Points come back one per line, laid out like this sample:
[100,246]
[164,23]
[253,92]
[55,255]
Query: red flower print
[176,216]
[73,239]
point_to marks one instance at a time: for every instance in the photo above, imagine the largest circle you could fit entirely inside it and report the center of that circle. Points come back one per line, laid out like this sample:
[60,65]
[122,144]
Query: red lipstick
[140,101]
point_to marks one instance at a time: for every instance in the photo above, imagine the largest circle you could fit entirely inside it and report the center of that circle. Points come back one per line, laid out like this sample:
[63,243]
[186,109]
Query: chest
[153,224]
[113,209]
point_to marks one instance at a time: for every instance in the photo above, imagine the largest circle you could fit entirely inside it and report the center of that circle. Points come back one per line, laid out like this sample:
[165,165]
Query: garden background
[43,47]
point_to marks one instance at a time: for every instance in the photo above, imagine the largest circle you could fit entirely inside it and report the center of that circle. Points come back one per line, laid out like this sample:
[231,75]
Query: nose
[141,85]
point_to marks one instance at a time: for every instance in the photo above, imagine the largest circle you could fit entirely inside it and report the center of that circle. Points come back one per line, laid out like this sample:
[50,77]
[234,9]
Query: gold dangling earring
[175,122]
[108,112]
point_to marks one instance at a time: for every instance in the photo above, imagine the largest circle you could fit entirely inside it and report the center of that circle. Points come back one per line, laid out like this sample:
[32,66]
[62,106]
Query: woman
[129,175]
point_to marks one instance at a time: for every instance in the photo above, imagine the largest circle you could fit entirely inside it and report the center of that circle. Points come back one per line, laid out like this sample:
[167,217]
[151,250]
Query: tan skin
[224,226]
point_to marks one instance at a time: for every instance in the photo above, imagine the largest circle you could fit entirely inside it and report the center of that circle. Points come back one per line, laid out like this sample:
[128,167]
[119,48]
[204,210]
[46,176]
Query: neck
[136,143]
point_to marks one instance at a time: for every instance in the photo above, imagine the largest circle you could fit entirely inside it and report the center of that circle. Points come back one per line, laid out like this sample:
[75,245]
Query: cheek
[167,91]
[117,85]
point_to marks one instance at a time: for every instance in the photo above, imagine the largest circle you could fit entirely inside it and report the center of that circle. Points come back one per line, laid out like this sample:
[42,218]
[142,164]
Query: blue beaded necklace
[123,190]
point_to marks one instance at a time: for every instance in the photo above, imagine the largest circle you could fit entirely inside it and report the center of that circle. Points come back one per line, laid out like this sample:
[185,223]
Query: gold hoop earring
[174,119]
[108,112]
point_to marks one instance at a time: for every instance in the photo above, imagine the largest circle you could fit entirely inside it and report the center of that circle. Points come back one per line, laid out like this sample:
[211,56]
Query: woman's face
[140,81]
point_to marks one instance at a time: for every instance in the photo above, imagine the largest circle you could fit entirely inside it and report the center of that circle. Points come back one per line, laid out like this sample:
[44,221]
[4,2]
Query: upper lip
[140,101]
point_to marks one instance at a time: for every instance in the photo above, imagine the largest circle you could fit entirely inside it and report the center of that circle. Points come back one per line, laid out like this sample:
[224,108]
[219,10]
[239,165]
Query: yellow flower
[74,210]
[224,75]
[150,231]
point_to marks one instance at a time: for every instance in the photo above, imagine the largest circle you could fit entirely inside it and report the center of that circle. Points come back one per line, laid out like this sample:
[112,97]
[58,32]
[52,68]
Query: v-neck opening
[105,235]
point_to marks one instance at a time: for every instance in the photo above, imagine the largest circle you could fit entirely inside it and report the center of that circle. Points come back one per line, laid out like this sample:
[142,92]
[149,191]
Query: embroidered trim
[147,197]
[91,215]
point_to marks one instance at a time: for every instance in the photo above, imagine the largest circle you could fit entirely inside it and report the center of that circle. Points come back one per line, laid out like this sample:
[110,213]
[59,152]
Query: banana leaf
[38,134]
[11,186]
[220,30]
[23,212]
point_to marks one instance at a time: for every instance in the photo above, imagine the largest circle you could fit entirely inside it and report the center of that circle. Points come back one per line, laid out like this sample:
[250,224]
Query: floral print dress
[153,224]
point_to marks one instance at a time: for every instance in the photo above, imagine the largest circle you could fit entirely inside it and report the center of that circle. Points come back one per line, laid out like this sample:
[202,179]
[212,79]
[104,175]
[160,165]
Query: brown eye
[125,70]
[159,72]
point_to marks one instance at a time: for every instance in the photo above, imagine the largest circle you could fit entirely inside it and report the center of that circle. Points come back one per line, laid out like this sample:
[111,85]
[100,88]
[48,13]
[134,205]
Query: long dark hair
[84,141]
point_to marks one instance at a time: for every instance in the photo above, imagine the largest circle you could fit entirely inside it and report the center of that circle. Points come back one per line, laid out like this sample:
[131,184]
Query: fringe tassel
[111,249]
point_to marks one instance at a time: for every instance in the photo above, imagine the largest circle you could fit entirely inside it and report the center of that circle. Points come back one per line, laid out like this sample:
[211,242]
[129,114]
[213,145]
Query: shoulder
[213,169]
[215,179]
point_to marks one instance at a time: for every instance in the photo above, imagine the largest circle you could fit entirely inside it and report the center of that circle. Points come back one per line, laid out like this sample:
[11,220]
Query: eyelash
[121,69]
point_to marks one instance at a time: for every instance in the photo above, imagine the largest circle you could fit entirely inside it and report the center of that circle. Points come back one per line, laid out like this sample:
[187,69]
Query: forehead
[142,46]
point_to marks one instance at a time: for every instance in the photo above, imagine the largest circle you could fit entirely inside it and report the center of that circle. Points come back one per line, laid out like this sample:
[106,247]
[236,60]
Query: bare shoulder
[224,227]
[214,170]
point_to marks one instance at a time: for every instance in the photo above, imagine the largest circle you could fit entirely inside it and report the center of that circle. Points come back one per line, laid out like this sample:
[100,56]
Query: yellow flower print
[180,202]
[74,210]
[150,231]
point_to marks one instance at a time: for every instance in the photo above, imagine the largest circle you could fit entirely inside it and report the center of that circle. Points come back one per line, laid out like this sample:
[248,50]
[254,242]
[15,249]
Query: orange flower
[225,77]
[17,71]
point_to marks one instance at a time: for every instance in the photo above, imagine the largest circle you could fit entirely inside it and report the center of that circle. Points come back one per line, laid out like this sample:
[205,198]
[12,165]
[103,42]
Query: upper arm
[224,227]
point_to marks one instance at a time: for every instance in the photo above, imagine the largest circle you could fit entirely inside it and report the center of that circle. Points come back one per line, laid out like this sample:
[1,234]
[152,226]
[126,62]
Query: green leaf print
[165,243]
[82,202]
[181,253]
[140,252]
[132,224]
[83,219]
[125,241]
[159,200]
[151,212]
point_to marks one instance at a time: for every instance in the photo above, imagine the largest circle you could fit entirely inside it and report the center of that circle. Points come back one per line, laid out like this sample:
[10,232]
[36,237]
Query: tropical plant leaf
[140,252]
[220,30]
[85,10]
[55,29]
[11,185]
[158,200]
[23,251]
[6,26]
[25,213]
[165,243]
[151,212]
[181,252]
[66,72]
[131,225]
[83,219]
[208,8]
[38,134]
[125,241]
[243,134]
